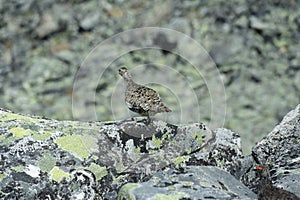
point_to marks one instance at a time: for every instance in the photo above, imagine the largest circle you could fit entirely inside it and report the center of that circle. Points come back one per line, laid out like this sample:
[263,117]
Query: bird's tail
[166,109]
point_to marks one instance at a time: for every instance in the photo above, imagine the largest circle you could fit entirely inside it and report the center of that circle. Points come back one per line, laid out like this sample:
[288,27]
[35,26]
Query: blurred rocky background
[255,45]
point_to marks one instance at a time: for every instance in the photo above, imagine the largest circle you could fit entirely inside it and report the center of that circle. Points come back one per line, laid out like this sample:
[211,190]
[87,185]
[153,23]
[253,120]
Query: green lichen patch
[2,138]
[97,170]
[178,196]
[19,168]
[171,188]
[57,174]
[19,132]
[2,176]
[42,136]
[47,163]
[187,183]
[7,116]
[180,159]
[157,142]
[126,191]
[6,139]
[81,146]
[199,136]
[120,166]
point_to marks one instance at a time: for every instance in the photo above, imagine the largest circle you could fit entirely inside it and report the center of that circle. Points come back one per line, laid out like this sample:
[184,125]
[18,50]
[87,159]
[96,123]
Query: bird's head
[262,171]
[124,73]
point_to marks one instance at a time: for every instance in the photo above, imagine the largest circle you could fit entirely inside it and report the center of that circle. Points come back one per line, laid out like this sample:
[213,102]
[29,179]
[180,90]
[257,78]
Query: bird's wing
[144,99]
[150,100]
[141,97]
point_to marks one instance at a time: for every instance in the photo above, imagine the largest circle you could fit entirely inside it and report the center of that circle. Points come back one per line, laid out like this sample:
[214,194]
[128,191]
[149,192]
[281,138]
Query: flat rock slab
[194,182]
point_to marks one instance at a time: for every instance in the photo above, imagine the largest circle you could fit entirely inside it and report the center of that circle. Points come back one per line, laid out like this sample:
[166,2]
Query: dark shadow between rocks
[139,129]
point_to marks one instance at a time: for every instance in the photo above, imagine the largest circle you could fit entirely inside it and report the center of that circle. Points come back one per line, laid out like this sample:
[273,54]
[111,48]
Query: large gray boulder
[44,158]
[280,150]
[49,159]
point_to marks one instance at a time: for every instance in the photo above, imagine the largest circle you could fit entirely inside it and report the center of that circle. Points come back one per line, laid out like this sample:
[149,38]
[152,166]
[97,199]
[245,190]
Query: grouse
[141,99]
[267,191]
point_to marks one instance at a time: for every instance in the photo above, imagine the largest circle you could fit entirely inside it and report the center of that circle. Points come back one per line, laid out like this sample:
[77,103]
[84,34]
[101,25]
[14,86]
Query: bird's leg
[148,120]
[132,119]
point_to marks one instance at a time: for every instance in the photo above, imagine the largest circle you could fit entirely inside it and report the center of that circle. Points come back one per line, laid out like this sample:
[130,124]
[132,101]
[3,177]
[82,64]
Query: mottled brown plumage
[141,99]
[267,191]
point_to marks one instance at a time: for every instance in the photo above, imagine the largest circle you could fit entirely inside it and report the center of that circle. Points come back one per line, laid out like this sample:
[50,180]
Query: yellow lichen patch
[81,146]
[57,174]
[19,132]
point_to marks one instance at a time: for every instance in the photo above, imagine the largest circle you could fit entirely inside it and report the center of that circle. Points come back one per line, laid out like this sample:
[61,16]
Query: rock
[257,24]
[297,21]
[262,75]
[46,69]
[225,151]
[90,21]
[48,25]
[242,21]
[281,150]
[192,182]
[86,160]
[81,159]
[222,51]
[266,190]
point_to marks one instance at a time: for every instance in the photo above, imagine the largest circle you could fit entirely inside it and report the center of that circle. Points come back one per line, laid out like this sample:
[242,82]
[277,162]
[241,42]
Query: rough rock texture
[43,158]
[191,182]
[65,159]
[266,189]
[255,45]
[281,150]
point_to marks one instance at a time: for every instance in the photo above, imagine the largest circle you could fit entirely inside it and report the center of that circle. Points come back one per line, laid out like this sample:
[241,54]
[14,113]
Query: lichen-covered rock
[280,150]
[224,152]
[43,158]
[85,160]
[185,179]
[192,182]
